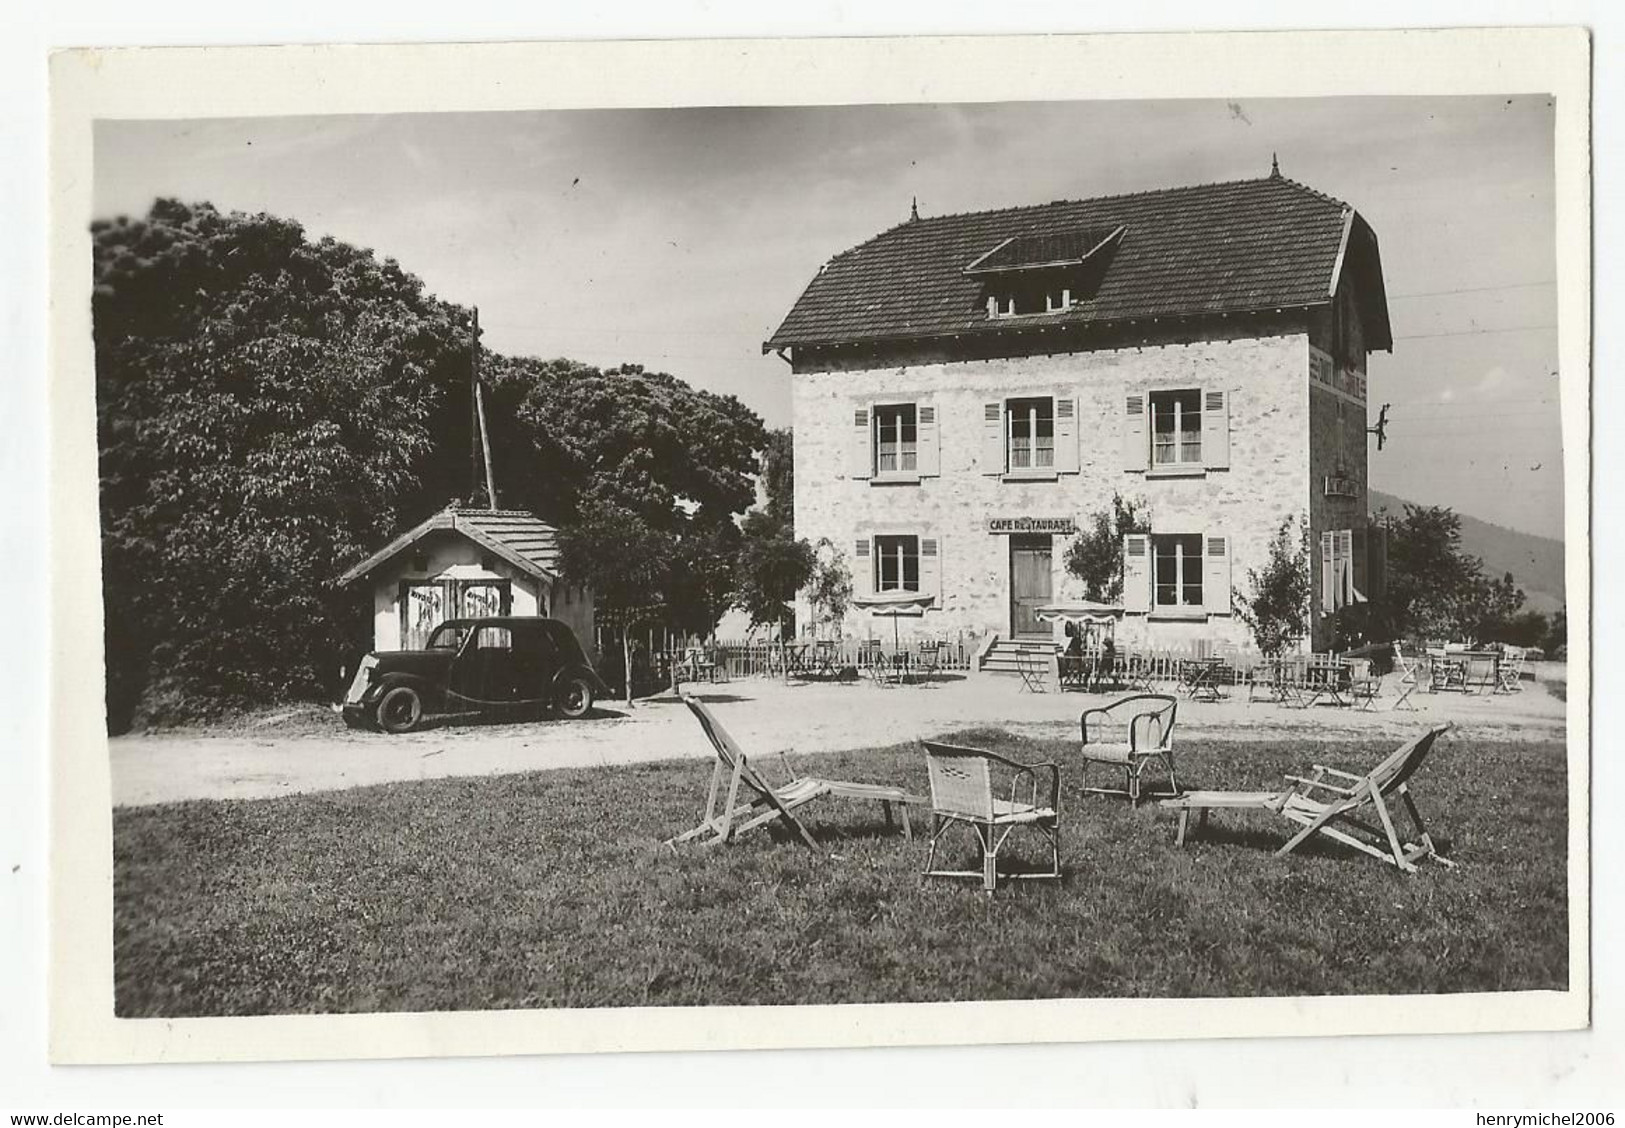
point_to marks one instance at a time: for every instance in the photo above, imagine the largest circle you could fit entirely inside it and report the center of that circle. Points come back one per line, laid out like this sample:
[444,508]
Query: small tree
[1096,556]
[626,564]
[830,591]
[1277,611]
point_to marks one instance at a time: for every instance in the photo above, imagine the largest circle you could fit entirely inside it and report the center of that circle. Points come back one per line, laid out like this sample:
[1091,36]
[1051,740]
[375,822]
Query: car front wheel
[400,709]
[575,697]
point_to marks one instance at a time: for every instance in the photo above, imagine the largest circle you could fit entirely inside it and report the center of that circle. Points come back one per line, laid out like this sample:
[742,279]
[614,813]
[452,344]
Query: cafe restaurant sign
[1066,526]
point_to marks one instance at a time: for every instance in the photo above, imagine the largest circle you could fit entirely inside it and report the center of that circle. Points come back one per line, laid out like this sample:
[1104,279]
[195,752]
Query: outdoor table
[1463,669]
[1200,678]
[1326,679]
[795,660]
[892,669]
[1072,671]
[825,654]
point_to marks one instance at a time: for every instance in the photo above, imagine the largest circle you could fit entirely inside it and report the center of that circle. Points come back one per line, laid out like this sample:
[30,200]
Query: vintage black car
[495,666]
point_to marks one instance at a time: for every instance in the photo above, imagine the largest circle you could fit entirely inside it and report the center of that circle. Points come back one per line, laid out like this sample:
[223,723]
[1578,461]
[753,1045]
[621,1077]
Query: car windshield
[448,636]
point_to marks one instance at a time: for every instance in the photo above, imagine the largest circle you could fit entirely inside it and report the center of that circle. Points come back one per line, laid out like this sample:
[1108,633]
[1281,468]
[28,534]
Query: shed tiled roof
[1207,249]
[517,536]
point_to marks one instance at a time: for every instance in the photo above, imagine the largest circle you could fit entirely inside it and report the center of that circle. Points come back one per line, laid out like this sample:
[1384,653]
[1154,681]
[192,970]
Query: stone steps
[1003,656]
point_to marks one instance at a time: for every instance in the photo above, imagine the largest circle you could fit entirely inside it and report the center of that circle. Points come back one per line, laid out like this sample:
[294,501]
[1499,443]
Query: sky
[679,238]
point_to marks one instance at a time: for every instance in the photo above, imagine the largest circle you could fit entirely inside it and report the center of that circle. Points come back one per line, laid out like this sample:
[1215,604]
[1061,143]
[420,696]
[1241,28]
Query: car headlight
[363,678]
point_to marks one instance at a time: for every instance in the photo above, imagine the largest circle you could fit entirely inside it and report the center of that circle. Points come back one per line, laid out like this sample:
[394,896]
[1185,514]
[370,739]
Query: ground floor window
[1178,563]
[897,563]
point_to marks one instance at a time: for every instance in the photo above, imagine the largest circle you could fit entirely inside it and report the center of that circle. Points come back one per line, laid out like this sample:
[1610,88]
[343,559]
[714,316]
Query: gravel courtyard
[310,750]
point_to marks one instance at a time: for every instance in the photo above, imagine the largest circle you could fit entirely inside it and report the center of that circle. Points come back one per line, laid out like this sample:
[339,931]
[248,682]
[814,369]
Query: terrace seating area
[1378,678]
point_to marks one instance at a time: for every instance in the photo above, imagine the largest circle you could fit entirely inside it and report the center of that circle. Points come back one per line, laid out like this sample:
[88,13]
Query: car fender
[433,696]
[573,670]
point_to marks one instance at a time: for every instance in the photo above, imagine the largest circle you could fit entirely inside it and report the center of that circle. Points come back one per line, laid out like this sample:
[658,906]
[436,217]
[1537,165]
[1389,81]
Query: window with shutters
[1030,433]
[1177,570]
[1176,428]
[896,440]
[897,563]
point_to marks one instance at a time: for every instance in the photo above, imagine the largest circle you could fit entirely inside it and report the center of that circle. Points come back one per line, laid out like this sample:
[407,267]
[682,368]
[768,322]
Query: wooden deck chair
[963,794]
[728,815]
[1409,676]
[1338,804]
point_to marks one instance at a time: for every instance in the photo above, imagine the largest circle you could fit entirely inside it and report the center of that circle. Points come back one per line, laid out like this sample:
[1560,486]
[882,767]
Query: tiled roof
[1211,248]
[517,536]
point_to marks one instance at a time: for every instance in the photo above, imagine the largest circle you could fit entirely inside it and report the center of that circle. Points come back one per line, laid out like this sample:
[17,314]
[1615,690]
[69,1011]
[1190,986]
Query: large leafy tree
[268,409]
[1437,590]
[575,443]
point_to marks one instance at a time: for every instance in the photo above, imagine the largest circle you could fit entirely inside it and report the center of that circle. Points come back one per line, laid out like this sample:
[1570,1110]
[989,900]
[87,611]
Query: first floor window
[1176,428]
[897,564]
[1178,575]
[1030,427]
[896,435]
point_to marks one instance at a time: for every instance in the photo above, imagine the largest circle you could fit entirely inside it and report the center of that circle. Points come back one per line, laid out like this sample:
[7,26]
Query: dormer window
[1044,273]
[1030,300]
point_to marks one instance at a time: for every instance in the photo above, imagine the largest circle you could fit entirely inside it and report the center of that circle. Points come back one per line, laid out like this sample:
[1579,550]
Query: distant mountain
[1536,563]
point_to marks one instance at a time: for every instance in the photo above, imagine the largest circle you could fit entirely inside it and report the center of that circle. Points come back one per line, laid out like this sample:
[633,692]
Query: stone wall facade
[1265,379]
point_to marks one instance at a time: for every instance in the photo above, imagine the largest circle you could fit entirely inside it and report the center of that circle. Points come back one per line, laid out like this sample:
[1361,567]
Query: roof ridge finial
[914,209]
[1275,167]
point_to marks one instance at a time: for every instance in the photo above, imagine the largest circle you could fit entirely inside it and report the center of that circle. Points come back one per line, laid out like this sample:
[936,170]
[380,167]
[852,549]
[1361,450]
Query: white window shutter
[931,567]
[1066,435]
[1345,569]
[861,452]
[1136,436]
[929,445]
[1216,574]
[993,438]
[1328,573]
[1137,572]
[863,567]
[1216,429]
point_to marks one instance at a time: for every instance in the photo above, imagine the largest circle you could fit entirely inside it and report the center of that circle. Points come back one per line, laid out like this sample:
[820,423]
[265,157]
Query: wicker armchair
[963,794]
[1130,733]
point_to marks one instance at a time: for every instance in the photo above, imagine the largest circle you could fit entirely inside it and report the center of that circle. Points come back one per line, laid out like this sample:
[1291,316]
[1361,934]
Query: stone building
[970,390]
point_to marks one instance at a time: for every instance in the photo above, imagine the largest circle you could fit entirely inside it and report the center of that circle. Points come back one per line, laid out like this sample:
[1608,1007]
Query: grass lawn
[549,890]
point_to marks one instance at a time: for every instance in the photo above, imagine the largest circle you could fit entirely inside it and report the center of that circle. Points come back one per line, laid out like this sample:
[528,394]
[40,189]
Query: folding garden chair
[930,660]
[1409,679]
[1364,686]
[1338,804]
[727,817]
[1509,675]
[1034,670]
[964,792]
[1130,733]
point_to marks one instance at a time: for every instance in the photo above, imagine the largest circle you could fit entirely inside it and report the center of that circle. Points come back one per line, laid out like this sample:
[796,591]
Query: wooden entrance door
[1029,584]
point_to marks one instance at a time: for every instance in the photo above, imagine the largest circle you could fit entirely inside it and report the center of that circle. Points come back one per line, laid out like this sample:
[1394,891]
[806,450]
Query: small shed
[468,563]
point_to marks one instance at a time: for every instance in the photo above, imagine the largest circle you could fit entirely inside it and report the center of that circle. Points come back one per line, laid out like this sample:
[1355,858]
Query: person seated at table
[1074,646]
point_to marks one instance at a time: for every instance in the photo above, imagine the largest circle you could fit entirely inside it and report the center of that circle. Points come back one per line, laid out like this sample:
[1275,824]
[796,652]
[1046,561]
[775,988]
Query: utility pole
[480,410]
[480,438]
[474,410]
